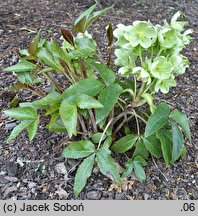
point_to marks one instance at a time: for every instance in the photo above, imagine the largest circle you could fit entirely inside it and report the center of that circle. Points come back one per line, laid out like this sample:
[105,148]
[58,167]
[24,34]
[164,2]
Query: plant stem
[53,81]
[121,125]
[107,126]
[38,92]
[139,116]
[93,121]
[110,57]
[135,86]
[137,123]
[82,123]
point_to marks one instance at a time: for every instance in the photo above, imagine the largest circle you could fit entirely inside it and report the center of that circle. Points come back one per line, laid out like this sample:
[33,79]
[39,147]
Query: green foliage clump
[98,103]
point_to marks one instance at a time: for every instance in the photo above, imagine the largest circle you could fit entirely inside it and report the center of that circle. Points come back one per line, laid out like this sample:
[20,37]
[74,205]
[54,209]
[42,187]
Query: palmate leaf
[108,98]
[157,120]
[56,124]
[139,171]
[165,137]
[178,143]
[106,73]
[140,149]
[83,173]
[22,113]
[20,127]
[153,145]
[125,143]
[79,25]
[32,129]
[79,149]
[97,136]
[107,165]
[45,56]
[130,165]
[182,120]
[89,87]
[84,101]
[22,66]
[51,99]
[68,113]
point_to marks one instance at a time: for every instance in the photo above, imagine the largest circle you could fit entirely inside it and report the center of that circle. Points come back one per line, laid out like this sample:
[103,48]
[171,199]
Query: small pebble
[31,184]
[94,195]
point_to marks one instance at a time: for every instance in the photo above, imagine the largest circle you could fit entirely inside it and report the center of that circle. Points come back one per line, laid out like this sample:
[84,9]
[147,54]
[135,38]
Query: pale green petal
[145,42]
[119,31]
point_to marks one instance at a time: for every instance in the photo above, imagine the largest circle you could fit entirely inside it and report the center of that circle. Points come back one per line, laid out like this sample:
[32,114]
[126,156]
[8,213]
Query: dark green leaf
[108,98]
[83,173]
[130,165]
[107,165]
[85,43]
[106,73]
[97,136]
[89,87]
[51,99]
[86,102]
[157,120]
[56,52]
[75,54]
[107,143]
[178,143]
[153,145]
[68,113]
[45,56]
[182,120]
[125,143]
[20,127]
[139,171]
[140,160]
[85,14]
[56,124]
[128,168]
[165,137]
[22,66]
[32,129]
[141,150]
[79,149]
[22,113]
[94,16]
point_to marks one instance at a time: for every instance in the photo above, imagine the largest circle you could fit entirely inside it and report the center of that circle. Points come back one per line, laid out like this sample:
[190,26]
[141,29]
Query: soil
[36,170]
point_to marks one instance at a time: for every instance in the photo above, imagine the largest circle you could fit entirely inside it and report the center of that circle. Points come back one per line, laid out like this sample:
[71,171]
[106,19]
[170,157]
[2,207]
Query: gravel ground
[36,170]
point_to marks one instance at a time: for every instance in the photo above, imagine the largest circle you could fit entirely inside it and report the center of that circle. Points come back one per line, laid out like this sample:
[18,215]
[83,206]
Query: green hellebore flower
[186,38]
[125,57]
[141,33]
[177,25]
[167,37]
[125,71]
[143,74]
[161,68]
[164,85]
[179,62]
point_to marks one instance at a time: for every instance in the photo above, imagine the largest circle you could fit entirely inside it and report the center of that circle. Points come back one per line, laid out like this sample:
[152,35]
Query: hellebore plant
[103,111]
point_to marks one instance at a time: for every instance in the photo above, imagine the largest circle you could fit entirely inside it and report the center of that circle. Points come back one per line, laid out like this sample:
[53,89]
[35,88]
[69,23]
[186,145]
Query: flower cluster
[152,53]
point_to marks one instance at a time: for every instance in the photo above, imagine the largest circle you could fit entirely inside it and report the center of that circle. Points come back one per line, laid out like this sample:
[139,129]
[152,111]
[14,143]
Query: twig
[107,126]
[82,123]
[121,125]
[93,121]
[53,81]
[159,169]
[137,123]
